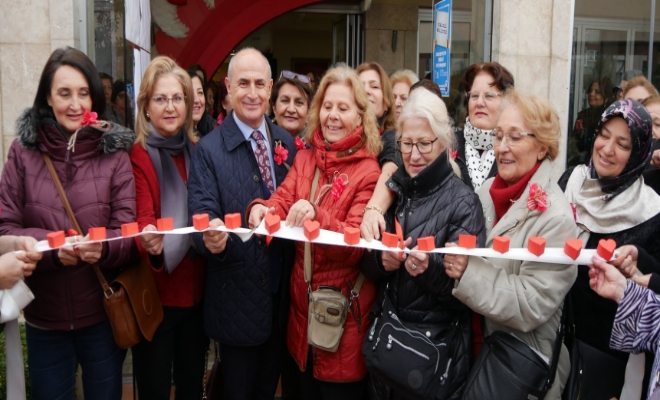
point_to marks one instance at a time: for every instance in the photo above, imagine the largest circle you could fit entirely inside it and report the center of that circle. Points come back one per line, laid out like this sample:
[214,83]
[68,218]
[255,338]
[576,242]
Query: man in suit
[232,166]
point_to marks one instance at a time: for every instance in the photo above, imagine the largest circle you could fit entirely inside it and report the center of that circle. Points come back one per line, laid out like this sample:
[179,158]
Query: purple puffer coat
[97,177]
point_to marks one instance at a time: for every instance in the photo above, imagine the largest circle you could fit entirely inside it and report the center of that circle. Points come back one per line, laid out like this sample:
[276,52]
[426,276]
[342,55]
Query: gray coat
[524,298]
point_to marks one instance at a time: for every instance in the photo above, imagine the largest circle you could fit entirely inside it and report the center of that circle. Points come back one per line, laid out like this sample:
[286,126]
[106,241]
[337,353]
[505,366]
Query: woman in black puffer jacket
[431,201]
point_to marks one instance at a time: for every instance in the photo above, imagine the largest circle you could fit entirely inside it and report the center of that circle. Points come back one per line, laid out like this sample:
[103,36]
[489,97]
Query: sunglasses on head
[294,76]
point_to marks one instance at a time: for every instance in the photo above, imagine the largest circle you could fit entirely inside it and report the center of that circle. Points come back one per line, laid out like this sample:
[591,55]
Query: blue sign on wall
[442,44]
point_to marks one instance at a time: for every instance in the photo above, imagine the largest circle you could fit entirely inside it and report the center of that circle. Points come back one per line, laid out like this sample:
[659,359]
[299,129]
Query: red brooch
[339,183]
[89,118]
[538,199]
[300,144]
[281,153]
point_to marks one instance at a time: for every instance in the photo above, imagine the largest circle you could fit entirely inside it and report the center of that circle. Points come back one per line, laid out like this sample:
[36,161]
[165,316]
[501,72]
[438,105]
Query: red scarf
[503,194]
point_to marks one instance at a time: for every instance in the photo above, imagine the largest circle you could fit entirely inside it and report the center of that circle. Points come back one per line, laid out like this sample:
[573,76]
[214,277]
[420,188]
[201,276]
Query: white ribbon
[554,255]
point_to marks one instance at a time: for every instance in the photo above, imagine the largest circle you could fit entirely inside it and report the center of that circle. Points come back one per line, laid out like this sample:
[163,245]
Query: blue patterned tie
[263,160]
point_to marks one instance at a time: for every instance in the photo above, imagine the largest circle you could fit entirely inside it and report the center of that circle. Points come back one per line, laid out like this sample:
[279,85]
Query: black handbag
[594,374]
[428,361]
[507,368]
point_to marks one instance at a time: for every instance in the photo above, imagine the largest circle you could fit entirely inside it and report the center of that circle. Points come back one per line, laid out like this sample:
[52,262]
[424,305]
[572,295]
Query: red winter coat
[185,285]
[332,265]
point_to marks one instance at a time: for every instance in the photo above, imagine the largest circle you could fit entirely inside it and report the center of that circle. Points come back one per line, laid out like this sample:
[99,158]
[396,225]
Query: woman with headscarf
[611,201]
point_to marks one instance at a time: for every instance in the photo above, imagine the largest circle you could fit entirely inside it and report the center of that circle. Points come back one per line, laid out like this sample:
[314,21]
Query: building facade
[554,48]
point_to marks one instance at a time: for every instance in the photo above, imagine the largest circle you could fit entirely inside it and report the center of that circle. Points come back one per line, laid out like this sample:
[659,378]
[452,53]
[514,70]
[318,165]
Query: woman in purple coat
[66,323]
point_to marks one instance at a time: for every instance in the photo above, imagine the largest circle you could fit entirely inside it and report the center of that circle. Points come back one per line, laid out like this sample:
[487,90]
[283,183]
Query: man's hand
[215,241]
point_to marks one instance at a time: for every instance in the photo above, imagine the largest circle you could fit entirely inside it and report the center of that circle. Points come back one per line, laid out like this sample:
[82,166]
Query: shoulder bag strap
[355,291]
[107,290]
[308,246]
[556,350]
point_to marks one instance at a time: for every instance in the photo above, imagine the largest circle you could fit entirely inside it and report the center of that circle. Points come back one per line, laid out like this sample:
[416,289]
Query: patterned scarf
[478,164]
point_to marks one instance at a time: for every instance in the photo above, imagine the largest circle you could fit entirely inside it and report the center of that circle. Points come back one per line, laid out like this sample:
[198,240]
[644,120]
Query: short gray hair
[426,105]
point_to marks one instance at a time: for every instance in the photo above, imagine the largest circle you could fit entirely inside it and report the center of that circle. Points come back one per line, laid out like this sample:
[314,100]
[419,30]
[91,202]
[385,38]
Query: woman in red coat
[344,141]
[160,158]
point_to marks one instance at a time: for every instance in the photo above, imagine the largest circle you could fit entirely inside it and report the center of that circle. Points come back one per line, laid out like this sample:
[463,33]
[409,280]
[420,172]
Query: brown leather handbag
[131,301]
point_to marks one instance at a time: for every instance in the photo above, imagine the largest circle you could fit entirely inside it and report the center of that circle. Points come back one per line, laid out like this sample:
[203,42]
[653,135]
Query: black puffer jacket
[435,203]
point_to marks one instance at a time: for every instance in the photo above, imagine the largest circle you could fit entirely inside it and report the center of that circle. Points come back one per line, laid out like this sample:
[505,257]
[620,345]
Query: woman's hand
[455,264]
[12,269]
[25,246]
[89,252]
[372,224]
[606,280]
[300,211]
[655,160]
[417,263]
[152,242]
[215,241]
[626,260]
[257,213]
[392,260]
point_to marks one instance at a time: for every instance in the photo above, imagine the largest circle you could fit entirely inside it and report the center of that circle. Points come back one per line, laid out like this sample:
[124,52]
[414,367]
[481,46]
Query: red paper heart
[272,222]
[606,248]
[312,229]
[572,248]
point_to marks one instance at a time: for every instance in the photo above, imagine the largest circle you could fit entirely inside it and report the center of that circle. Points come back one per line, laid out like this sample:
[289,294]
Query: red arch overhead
[212,34]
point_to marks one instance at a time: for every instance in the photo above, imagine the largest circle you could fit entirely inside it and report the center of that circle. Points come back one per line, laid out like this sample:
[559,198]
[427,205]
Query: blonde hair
[639,81]
[389,117]
[426,105]
[651,100]
[157,68]
[404,75]
[344,75]
[539,116]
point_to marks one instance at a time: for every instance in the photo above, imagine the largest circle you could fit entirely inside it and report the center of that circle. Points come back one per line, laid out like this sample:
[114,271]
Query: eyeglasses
[423,147]
[513,139]
[294,76]
[489,97]
[163,101]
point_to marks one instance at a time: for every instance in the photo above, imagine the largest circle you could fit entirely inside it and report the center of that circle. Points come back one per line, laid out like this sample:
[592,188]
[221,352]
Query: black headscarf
[639,123]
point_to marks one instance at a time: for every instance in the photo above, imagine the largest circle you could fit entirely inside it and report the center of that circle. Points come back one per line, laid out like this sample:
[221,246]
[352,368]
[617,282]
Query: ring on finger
[413,266]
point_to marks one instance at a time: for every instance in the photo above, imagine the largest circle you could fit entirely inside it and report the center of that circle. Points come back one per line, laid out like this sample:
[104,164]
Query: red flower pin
[339,183]
[453,154]
[89,118]
[538,199]
[281,154]
[300,144]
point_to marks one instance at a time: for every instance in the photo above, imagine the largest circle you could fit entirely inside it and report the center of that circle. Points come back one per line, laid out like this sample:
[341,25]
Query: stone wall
[29,31]
[534,41]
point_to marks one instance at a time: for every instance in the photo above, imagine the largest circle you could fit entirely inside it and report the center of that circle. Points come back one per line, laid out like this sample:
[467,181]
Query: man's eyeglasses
[163,101]
[423,147]
[513,139]
[489,97]
[294,76]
